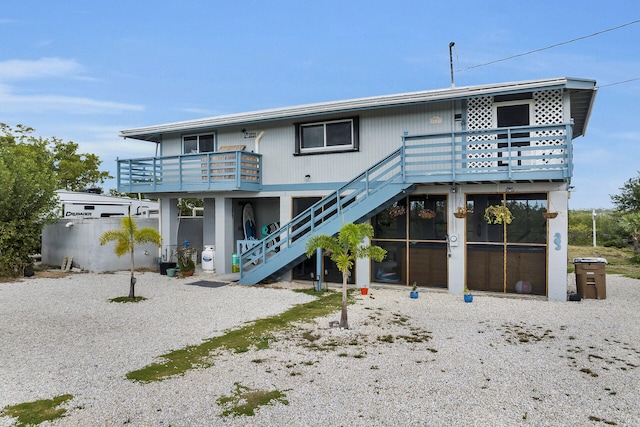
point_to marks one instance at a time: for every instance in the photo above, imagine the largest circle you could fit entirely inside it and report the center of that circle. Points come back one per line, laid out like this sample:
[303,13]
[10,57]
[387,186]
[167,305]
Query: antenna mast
[451,44]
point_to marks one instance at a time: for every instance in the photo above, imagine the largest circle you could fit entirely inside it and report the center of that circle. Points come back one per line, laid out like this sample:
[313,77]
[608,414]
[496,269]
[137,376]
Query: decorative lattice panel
[548,110]
[480,116]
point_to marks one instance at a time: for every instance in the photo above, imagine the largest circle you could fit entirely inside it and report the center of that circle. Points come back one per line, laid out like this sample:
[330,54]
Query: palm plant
[126,240]
[344,250]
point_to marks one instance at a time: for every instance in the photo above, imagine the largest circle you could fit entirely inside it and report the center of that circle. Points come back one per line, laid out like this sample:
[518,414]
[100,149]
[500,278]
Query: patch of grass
[515,333]
[127,299]
[255,335]
[588,372]
[245,401]
[602,420]
[386,338]
[619,260]
[36,412]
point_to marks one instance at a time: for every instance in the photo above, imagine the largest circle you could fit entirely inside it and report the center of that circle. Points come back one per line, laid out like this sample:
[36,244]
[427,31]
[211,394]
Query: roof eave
[154,133]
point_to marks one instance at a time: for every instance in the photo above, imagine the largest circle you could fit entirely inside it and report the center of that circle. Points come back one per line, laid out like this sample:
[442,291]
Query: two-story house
[421,167]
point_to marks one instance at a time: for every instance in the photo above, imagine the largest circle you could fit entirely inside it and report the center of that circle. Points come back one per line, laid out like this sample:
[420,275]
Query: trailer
[88,204]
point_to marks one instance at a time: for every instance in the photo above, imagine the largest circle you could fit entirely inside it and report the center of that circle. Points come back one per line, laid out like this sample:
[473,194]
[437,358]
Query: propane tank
[208,259]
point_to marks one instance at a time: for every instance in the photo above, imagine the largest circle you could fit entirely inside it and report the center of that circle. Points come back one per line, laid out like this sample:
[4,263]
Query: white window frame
[198,136]
[353,146]
[529,102]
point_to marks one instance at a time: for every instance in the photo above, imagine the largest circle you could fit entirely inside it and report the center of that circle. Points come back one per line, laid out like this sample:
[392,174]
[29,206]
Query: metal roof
[582,93]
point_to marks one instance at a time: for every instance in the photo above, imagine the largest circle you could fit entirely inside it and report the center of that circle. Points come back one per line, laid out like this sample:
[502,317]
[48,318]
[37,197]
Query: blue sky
[84,70]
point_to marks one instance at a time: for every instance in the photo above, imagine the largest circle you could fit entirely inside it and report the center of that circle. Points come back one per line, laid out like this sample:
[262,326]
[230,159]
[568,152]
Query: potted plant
[426,214]
[467,295]
[414,291]
[462,212]
[498,214]
[185,260]
[396,211]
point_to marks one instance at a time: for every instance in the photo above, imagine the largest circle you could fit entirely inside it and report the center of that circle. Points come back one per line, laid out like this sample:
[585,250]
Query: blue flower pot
[468,298]
[413,294]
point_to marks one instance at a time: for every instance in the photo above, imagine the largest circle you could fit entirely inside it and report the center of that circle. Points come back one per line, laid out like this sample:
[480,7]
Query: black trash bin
[591,278]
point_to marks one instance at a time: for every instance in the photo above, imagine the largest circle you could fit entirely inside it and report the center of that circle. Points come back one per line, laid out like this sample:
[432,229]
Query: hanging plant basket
[426,214]
[462,212]
[549,215]
[498,214]
[396,211]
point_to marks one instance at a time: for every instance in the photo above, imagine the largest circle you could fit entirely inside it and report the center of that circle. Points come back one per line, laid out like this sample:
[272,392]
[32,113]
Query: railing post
[453,156]
[238,169]
[403,170]
[509,153]
[366,182]
[569,141]
[154,177]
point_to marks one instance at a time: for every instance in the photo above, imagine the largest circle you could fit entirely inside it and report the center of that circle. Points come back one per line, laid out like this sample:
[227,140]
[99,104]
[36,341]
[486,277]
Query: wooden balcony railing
[219,171]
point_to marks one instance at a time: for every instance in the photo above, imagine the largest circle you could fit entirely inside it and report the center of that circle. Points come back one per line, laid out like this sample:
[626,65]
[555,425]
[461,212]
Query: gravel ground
[499,361]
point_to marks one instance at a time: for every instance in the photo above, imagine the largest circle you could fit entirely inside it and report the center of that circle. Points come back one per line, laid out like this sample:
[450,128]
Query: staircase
[369,193]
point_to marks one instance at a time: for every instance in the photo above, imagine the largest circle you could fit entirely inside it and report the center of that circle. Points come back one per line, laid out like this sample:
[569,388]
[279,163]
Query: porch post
[456,243]
[557,246]
[168,226]
[223,230]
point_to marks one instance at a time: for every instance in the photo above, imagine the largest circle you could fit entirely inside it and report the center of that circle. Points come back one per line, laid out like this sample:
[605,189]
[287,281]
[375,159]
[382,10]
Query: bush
[615,243]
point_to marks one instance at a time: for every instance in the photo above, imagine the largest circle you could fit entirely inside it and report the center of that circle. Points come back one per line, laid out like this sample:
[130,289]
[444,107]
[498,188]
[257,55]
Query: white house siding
[380,133]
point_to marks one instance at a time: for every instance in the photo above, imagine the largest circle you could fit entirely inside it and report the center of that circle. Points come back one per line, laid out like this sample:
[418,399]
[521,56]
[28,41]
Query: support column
[456,243]
[286,207]
[168,226]
[223,232]
[209,222]
[557,251]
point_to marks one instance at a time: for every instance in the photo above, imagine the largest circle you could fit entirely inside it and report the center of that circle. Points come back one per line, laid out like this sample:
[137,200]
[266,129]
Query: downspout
[257,142]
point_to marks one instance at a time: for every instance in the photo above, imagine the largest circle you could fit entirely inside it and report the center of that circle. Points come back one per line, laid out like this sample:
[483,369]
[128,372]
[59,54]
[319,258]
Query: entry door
[511,115]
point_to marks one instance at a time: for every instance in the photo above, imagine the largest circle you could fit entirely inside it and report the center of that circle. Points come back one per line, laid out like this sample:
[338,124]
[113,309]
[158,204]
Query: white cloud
[19,69]
[14,103]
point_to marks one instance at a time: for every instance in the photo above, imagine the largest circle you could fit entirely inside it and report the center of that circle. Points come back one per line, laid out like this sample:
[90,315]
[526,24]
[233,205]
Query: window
[198,143]
[329,136]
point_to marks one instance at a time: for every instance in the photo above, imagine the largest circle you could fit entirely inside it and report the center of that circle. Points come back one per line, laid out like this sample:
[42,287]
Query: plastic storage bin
[591,278]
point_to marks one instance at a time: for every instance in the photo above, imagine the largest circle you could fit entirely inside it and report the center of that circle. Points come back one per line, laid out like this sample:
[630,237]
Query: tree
[630,223]
[629,198]
[344,250]
[27,201]
[31,169]
[126,240]
[75,171]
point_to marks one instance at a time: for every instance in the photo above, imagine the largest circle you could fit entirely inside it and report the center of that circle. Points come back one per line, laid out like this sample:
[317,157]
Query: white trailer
[91,205]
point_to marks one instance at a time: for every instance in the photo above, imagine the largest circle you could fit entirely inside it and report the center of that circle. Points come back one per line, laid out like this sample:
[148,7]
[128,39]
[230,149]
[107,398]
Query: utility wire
[619,83]
[553,45]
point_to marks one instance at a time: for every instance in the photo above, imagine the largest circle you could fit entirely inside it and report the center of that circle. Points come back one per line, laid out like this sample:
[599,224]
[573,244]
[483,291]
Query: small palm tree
[126,240]
[344,250]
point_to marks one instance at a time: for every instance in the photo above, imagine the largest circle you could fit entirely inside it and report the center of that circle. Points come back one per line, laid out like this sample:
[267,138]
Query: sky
[82,71]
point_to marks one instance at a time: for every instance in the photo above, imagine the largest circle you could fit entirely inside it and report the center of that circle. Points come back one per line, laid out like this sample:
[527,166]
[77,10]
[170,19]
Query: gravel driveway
[499,361]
